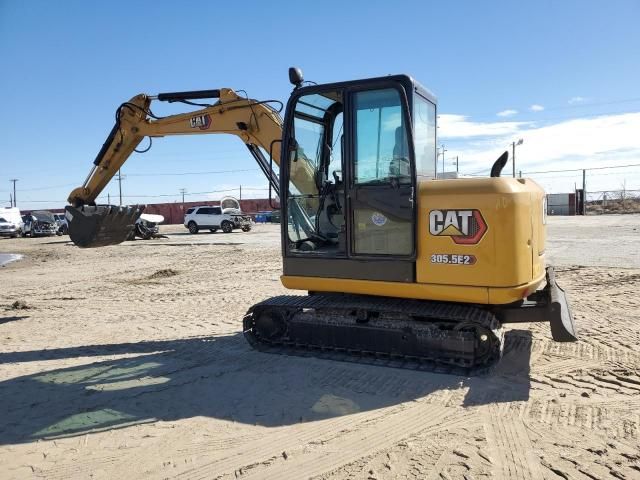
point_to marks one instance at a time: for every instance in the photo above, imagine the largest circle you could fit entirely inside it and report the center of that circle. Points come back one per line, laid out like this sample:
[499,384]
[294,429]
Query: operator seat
[399,167]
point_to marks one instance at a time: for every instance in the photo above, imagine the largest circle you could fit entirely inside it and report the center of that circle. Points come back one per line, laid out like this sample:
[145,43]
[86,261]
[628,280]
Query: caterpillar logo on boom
[201,121]
[465,227]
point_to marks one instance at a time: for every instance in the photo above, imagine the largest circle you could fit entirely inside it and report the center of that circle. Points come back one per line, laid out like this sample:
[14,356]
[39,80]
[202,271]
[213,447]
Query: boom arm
[254,122]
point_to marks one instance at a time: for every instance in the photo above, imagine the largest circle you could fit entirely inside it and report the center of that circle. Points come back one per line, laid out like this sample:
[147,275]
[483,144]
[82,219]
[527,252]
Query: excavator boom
[256,123]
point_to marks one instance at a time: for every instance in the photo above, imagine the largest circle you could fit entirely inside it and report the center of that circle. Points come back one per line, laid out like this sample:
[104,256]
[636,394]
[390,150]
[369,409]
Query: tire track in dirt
[589,350]
[354,445]
[569,453]
[510,447]
[270,447]
[432,454]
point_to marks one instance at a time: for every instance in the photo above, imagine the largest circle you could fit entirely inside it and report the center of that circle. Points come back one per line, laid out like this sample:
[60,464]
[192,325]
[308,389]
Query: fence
[613,201]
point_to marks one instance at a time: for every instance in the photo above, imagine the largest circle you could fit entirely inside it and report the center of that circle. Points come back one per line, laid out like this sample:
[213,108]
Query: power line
[190,173]
[492,115]
[601,174]
[589,168]
[52,187]
[161,195]
[480,173]
[46,188]
[593,104]
[193,193]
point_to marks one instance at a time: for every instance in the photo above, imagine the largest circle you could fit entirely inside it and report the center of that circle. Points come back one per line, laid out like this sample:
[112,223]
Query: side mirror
[295,76]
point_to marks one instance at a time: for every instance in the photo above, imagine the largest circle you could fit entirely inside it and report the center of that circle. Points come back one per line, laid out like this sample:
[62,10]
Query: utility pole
[514,144]
[183,191]
[443,150]
[584,192]
[520,173]
[457,165]
[120,185]
[108,199]
[15,203]
[240,192]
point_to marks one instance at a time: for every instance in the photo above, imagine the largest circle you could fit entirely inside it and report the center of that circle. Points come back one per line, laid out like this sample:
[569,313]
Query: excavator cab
[357,140]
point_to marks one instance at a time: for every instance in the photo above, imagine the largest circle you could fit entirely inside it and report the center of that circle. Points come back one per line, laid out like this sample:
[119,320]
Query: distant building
[564,203]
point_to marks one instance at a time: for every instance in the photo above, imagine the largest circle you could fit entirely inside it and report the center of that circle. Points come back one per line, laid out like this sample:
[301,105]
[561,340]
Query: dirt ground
[129,362]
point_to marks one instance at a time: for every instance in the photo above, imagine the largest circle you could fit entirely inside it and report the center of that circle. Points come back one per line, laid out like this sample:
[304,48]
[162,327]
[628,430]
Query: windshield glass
[382,151]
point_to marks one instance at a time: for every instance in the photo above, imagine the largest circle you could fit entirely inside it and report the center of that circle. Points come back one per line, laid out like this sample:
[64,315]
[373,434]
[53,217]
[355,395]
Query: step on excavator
[401,268]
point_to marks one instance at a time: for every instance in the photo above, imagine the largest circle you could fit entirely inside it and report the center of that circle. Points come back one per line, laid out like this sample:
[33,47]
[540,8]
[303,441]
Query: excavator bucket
[102,225]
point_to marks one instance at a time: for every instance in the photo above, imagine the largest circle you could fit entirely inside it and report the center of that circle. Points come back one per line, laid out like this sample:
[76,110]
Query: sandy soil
[128,362]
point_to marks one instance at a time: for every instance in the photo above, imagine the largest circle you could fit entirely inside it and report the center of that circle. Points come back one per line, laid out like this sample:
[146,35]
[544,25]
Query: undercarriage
[441,337]
[434,336]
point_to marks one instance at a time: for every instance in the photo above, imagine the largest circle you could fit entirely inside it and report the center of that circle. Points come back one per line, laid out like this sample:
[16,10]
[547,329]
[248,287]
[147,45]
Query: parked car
[214,218]
[61,220]
[40,223]
[147,227]
[268,217]
[11,224]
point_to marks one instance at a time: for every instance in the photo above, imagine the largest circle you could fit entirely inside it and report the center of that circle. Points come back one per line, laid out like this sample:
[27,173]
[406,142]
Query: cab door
[348,180]
[382,183]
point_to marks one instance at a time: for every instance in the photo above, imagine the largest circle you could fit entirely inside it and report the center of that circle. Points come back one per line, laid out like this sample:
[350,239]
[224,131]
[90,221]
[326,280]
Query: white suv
[213,218]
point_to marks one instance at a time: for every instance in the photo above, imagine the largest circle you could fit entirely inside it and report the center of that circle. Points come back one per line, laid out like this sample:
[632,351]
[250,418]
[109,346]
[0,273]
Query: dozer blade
[549,304]
[561,319]
[102,225]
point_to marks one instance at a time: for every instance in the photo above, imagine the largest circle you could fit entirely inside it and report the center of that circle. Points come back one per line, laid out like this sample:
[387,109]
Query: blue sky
[569,69]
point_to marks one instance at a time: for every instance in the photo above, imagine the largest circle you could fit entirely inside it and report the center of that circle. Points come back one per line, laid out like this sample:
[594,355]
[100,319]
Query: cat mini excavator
[400,267]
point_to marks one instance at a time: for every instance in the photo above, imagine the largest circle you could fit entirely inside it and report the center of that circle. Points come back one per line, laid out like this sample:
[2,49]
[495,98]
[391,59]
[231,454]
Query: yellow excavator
[401,268]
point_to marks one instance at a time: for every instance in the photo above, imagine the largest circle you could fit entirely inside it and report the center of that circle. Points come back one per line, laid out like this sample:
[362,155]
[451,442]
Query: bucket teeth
[102,225]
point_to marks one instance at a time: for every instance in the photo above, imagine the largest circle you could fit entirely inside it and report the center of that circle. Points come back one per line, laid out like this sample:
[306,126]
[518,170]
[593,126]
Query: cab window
[424,137]
[382,150]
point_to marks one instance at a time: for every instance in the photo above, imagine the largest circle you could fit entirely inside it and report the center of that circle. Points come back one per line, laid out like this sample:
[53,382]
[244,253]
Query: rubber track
[438,313]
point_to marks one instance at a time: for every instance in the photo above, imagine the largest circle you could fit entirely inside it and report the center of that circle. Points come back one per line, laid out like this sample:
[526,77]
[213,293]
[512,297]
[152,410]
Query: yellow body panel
[422,291]
[508,257]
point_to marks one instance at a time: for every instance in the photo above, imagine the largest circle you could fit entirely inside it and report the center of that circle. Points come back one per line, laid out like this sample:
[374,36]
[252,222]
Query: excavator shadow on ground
[221,377]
